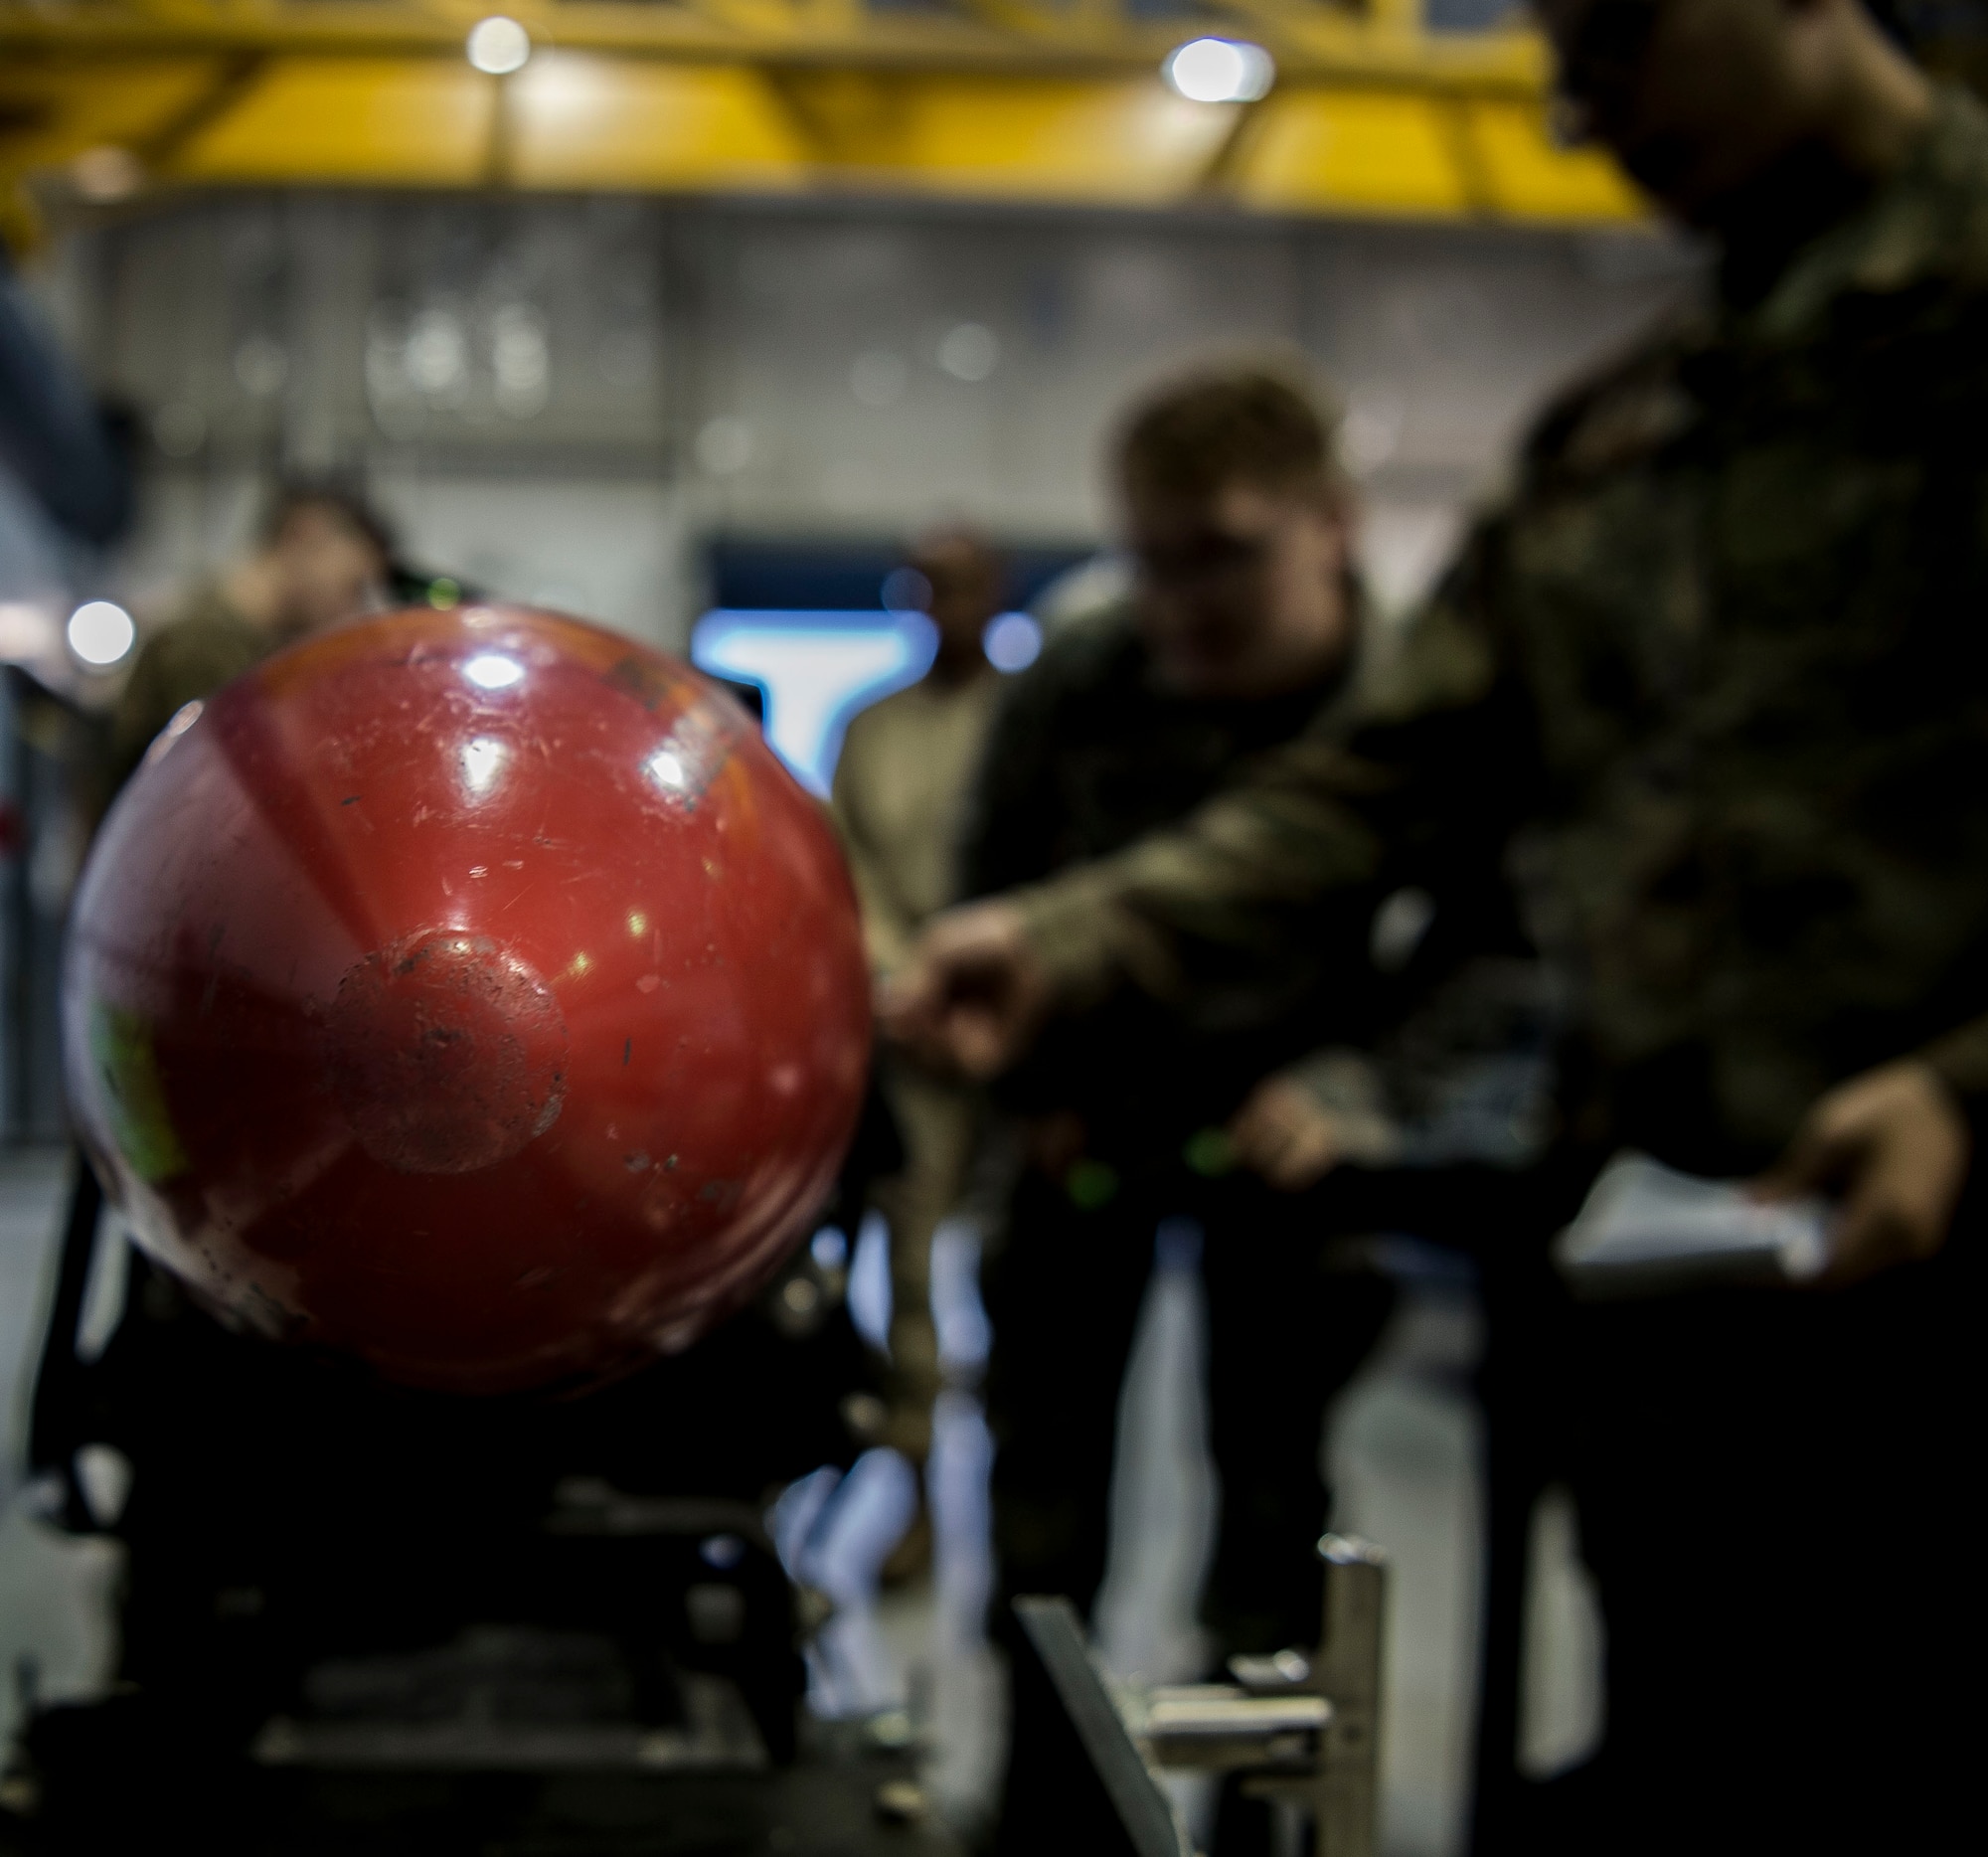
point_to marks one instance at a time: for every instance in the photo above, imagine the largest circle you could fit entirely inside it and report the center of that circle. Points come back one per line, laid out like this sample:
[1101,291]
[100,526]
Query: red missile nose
[474,993]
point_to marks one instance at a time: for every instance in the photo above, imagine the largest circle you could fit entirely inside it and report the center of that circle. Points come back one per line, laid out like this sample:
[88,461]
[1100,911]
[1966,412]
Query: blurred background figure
[57,450]
[1244,626]
[67,494]
[900,789]
[324,555]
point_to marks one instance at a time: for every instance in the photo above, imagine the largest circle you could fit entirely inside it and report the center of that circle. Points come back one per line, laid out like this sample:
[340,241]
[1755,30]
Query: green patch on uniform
[121,1043]
[1090,1184]
[1209,1154]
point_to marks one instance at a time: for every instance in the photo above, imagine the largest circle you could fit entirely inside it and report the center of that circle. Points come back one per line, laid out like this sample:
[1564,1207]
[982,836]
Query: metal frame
[1301,1729]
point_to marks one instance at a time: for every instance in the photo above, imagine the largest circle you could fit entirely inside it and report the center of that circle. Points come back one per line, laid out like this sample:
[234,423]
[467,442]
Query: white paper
[1647,1222]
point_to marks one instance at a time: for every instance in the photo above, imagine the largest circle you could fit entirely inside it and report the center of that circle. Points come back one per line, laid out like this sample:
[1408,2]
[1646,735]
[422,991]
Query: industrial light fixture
[1219,70]
[499,45]
[106,174]
[100,633]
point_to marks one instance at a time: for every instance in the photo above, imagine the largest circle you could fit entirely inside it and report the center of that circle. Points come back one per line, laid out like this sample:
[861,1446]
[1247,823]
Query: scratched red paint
[470,991]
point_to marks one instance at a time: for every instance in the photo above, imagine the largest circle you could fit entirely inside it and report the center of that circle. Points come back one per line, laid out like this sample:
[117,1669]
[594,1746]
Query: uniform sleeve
[185,661]
[886,932]
[1434,764]
[1348,1084]
[131,723]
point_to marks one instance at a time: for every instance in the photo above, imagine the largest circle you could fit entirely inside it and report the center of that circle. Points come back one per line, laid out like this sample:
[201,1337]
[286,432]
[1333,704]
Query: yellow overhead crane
[102,101]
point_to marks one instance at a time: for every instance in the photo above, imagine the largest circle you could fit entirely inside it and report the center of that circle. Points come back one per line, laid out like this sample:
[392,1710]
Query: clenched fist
[1286,1134]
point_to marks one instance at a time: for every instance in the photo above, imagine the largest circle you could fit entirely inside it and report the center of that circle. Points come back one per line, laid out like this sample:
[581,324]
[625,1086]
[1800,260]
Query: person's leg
[1062,1290]
[1771,1495]
[1522,1383]
[937,1123]
[1287,1328]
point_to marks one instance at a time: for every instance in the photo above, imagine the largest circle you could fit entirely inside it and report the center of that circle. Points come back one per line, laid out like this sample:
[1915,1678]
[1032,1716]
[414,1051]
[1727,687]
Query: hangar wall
[564,397]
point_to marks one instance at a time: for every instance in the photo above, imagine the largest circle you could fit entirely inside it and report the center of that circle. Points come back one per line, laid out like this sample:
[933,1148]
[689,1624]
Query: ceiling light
[100,633]
[107,174]
[499,45]
[1221,71]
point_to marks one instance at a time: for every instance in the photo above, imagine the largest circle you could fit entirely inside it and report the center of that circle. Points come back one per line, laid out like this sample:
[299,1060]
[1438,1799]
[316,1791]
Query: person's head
[328,554]
[1237,515]
[1701,99]
[967,579]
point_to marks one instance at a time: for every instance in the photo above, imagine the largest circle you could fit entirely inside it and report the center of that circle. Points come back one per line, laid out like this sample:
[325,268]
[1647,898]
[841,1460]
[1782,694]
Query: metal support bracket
[1305,1727]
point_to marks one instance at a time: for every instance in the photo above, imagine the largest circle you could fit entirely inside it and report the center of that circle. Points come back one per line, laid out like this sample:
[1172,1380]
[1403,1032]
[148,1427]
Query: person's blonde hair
[1222,425]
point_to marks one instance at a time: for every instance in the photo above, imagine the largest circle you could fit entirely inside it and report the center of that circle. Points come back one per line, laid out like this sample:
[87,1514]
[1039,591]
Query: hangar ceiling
[1377,112]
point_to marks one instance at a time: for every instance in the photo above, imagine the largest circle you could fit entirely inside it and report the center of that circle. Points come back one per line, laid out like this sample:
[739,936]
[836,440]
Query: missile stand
[1303,1728]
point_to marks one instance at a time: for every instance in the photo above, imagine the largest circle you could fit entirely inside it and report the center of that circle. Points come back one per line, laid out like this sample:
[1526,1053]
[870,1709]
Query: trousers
[1774,1491]
[1286,1329]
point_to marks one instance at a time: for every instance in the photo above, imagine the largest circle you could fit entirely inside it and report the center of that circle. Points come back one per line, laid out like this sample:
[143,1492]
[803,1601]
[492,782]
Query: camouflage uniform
[205,646]
[1085,756]
[1713,680]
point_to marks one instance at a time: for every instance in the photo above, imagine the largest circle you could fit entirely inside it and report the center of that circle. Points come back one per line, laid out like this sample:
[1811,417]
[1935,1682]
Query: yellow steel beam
[1122,141]
[418,122]
[584,123]
[44,121]
[1311,42]
[1001,99]
[1355,151]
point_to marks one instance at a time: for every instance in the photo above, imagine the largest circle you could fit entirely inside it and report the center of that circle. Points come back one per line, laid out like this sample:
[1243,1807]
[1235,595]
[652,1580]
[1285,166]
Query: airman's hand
[1284,1134]
[1894,1148]
[973,995]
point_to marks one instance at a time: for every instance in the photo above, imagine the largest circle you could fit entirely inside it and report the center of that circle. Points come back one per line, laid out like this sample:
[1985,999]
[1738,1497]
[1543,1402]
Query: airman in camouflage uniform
[324,556]
[1718,672]
[1714,678]
[1107,736]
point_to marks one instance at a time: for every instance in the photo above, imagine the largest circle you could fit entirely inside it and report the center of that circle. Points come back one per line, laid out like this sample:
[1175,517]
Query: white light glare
[100,633]
[1221,71]
[482,762]
[1012,641]
[499,45]
[491,672]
